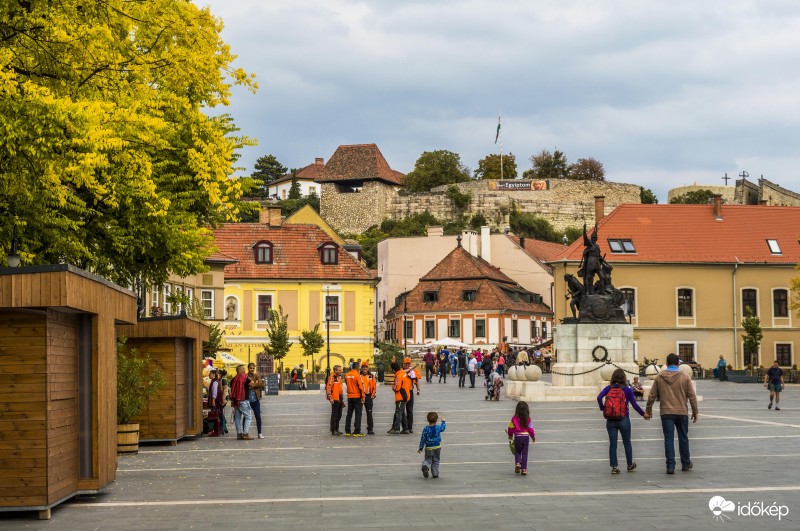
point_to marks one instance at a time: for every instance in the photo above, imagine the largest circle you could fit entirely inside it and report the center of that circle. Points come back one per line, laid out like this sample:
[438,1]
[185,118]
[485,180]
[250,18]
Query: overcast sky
[663,93]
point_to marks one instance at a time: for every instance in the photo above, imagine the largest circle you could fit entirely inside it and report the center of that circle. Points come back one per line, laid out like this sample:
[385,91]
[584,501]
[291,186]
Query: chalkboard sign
[272,383]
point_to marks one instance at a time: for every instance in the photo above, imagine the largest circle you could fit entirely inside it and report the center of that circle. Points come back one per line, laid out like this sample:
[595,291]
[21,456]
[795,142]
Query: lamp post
[13,256]
[328,328]
[405,335]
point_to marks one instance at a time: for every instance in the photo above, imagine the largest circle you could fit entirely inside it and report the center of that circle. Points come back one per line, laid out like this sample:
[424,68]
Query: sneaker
[246,437]
[434,476]
[670,471]
[260,436]
[404,432]
[358,434]
[517,468]
[632,467]
[769,406]
[348,434]
[686,468]
[239,436]
[337,432]
[614,470]
[425,471]
[777,408]
[392,431]
[524,472]
[370,432]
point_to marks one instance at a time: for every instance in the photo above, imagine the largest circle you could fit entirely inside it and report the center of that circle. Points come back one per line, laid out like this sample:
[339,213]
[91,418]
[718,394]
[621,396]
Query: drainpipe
[735,320]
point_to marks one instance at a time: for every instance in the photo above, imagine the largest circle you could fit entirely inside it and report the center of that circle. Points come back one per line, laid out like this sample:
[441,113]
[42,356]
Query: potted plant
[137,383]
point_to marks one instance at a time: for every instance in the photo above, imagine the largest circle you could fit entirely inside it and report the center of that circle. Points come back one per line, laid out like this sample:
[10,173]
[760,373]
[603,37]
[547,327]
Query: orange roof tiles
[312,172]
[459,271]
[539,249]
[295,254]
[359,162]
[690,233]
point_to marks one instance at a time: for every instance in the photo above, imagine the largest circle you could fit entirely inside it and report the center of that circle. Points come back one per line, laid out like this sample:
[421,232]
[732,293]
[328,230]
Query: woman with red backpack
[613,402]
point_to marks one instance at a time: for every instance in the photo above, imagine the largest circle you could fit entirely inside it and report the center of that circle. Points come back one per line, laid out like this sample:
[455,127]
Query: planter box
[741,377]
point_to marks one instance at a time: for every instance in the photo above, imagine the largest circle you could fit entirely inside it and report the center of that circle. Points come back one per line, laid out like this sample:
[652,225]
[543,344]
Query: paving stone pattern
[299,476]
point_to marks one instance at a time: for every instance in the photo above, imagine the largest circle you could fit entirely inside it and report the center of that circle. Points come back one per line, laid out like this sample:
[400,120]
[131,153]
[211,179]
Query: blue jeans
[622,426]
[241,417]
[669,423]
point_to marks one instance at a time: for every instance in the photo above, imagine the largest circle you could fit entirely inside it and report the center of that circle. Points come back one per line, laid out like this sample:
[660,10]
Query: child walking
[520,429]
[431,442]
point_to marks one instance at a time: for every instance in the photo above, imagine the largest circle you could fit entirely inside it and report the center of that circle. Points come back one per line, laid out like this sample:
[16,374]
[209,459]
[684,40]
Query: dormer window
[263,252]
[469,295]
[430,296]
[329,253]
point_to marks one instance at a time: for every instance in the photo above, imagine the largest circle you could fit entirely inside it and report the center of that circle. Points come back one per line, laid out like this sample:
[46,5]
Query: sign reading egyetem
[518,185]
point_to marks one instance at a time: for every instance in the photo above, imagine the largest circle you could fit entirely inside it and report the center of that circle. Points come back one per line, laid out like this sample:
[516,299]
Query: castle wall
[728,193]
[566,204]
[777,195]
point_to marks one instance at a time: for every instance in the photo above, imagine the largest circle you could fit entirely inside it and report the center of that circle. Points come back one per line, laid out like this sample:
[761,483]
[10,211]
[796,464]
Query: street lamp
[13,256]
[405,335]
[328,328]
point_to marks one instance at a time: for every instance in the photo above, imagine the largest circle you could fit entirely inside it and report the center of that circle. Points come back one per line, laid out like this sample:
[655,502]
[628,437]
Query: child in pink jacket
[520,429]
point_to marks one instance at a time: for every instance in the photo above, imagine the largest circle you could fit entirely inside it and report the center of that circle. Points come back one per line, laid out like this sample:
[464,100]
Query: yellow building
[688,271]
[300,267]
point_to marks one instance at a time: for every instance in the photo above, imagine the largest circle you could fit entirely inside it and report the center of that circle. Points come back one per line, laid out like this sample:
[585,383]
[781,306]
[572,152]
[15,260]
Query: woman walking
[521,430]
[613,402]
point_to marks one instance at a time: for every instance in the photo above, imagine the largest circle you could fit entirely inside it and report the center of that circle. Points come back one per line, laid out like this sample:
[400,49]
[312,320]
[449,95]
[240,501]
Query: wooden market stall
[58,417]
[175,346]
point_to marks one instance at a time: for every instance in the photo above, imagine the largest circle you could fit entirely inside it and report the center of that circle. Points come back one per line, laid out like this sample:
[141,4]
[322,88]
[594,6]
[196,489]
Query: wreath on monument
[605,353]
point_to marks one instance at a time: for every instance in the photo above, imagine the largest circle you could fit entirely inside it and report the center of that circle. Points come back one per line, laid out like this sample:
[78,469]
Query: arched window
[262,252]
[329,253]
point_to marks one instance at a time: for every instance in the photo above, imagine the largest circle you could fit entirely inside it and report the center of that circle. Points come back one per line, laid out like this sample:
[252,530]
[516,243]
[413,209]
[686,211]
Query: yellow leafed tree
[110,156]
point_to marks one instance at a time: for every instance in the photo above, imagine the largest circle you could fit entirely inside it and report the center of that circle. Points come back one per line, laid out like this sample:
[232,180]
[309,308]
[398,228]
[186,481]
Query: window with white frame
[783,354]
[189,298]
[167,295]
[155,298]
[780,303]
[332,308]
[685,302]
[207,302]
[264,307]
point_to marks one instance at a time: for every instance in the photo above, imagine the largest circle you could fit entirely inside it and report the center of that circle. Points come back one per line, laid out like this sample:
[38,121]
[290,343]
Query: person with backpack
[613,402]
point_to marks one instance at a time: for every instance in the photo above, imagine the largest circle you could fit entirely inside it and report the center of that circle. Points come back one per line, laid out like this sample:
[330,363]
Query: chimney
[470,239]
[270,216]
[320,161]
[599,208]
[486,244]
[718,206]
[436,230]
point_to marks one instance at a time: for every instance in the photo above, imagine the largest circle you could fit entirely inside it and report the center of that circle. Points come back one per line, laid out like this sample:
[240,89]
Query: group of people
[361,387]
[244,395]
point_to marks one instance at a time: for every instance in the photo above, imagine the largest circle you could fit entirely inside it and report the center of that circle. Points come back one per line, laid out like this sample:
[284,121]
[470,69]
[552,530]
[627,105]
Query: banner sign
[519,185]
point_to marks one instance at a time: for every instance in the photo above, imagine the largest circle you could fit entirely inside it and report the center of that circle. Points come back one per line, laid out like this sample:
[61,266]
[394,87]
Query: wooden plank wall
[158,421]
[62,405]
[23,409]
[180,387]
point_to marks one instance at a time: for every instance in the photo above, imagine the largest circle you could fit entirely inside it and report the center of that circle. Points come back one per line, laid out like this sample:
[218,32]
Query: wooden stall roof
[168,326]
[67,287]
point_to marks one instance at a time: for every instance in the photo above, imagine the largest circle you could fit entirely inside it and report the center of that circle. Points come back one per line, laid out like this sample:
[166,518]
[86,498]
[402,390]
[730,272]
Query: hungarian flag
[497,136]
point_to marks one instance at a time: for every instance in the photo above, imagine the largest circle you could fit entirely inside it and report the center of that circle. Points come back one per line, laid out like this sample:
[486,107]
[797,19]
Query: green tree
[587,170]
[489,167]
[312,342]
[215,341]
[753,333]
[109,158]
[294,190]
[647,197]
[436,168]
[278,334]
[694,197]
[546,165]
[266,169]
[477,221]
[530,225]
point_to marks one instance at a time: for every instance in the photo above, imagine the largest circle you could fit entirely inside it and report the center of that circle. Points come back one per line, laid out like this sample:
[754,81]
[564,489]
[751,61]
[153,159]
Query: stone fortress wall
[746,192]
[567,203]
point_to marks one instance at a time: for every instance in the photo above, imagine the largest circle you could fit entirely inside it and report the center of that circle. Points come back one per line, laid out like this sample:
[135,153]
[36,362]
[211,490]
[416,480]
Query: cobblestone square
[300,476]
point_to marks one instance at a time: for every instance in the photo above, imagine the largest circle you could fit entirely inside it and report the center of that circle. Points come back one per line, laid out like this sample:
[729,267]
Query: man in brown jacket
[673,388]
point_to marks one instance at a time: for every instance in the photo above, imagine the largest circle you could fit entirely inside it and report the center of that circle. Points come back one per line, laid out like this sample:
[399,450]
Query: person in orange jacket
[402,391]
[355,401]
[333,390]
[370,386]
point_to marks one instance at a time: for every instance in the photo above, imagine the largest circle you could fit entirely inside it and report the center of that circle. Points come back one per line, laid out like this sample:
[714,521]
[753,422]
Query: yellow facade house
[300,267]
[687,273]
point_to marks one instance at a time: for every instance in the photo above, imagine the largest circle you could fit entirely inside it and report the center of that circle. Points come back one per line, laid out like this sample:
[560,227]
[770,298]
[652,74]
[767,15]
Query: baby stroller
[493,386]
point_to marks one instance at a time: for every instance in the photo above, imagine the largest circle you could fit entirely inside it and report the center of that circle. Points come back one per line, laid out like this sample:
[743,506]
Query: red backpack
[616,405]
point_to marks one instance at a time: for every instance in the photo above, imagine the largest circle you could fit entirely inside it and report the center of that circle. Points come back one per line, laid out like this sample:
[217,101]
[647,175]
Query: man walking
[355,401]
[472,364]
[241,406]
[370,387]
[256,383]
[462,368]
[429,359]
[773,380]
[333,390]
[722,369]
[673,388]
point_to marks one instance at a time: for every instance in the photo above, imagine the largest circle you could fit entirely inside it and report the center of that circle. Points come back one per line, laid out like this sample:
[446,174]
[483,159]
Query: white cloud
[663,93]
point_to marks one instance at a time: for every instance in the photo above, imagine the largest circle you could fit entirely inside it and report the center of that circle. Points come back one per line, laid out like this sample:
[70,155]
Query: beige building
[403,261]
[687,273]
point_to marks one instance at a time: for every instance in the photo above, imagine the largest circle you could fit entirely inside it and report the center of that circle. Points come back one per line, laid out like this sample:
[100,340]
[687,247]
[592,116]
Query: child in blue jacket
[431,442]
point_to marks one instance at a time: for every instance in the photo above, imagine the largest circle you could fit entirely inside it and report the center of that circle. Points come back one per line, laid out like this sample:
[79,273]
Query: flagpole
[500,137]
